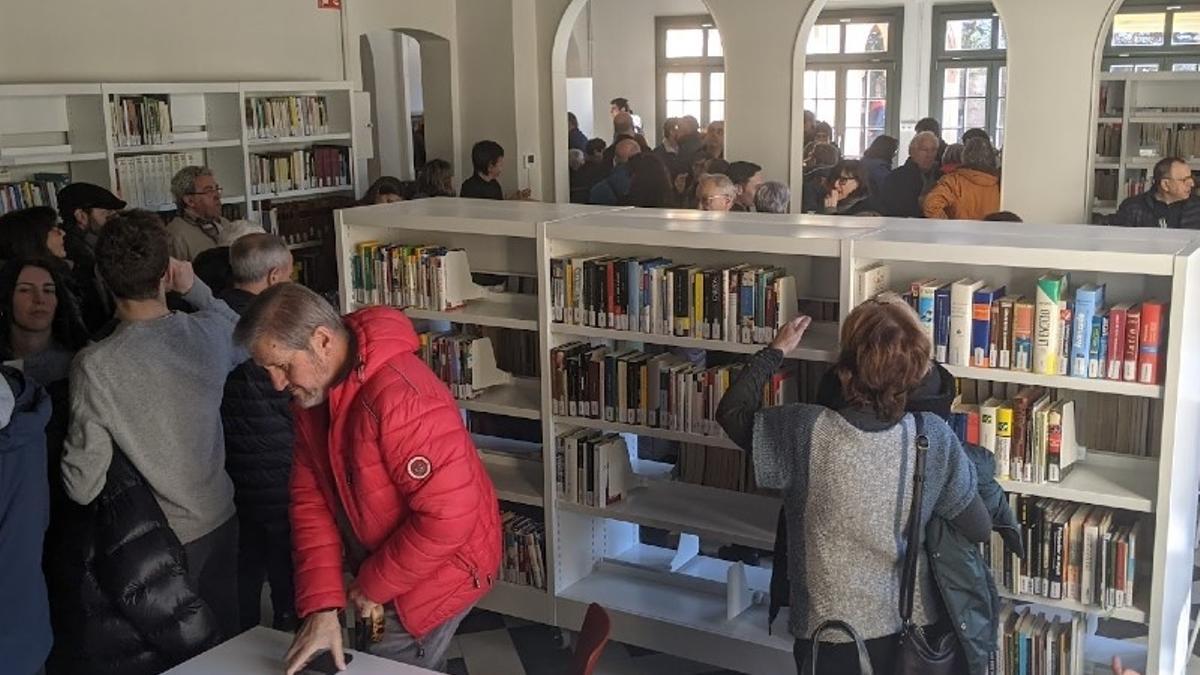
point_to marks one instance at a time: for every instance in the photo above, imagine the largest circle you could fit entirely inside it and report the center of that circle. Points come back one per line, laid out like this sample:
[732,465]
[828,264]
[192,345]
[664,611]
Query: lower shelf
[1104,479]
[1124,614]
[523,602]
[516,480]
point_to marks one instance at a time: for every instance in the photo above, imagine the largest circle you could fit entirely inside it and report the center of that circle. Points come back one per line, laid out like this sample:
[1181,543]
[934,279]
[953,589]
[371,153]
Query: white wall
[486,85]
[146,40]
[579,101]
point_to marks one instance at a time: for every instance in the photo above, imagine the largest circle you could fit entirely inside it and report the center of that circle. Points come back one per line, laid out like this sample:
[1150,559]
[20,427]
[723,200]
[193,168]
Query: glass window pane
[691,86]
[954,82]
[865,38]
[977,81]
[716,111]
[674,86]
[877,115]
[675,108]
[968,34]
[1185,67]
[852,143]
[691,108]
[1146,68]
[827,82]
[1003,77]
[856,84]
[1001,38]
[855,112]
[976,113]
[685,42]
[1139,30]
[715,48]
[825,38]
[952,111]
[826,110]
[1186,29]
[1120,68]
[716,86]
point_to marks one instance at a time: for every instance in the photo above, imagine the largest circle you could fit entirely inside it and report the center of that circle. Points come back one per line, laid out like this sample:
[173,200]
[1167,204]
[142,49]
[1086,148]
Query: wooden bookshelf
[674,600]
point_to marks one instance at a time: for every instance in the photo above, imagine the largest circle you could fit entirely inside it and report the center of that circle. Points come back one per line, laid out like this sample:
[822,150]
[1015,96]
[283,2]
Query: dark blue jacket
[25,634]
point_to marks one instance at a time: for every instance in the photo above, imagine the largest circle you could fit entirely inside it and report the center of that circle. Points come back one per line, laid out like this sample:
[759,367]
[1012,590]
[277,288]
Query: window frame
[993,59]
[705,65]
[1165,56]
[890,61]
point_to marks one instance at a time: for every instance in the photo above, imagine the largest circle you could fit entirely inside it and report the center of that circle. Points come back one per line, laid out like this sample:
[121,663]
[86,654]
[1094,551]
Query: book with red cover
[1019,455]
[1116,341]
[1133,331]
[1149,361]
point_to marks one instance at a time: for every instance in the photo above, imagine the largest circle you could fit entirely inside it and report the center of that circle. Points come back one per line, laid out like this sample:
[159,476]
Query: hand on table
[319,632]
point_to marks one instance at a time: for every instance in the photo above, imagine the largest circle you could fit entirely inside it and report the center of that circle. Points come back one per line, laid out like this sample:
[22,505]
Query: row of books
[744,303]
[145,180]
[1032,642]
[591,468]
[974,324]
[1167,140]
[664,390]
[320,166]
[287,116]
[1108,140]
[464,361]
[402,275]
[1032,435]
[40,190]
[524,561]
[141,120]
[724,468]
[1073,552]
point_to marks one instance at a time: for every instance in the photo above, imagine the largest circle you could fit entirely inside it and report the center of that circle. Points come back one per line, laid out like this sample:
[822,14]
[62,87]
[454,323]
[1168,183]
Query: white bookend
[872,281]
[618,472]
[789,306]
[484,373]
[455,281]
[962,297]
[689,548]
[738,596]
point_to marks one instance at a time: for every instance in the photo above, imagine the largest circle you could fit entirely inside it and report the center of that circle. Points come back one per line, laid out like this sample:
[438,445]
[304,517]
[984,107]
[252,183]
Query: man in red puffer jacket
[384,470]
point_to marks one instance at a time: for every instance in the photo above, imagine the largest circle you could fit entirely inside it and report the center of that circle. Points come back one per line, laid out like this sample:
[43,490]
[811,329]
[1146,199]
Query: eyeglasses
[846,179]
[712,197]
[214,190]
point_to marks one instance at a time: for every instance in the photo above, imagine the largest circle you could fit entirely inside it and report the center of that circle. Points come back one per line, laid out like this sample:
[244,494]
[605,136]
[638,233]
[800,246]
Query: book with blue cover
[981,324]
[941,324]
[1089,300]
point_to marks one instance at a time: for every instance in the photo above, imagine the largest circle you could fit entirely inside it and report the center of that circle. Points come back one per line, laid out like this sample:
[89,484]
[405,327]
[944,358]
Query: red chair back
[592,638]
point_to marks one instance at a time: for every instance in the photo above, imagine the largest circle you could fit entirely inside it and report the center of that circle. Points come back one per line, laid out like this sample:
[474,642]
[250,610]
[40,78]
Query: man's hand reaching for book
[789,336]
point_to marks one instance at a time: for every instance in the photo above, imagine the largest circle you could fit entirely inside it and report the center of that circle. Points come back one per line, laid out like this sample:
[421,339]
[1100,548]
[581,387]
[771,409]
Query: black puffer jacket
[258,437]
[122,601]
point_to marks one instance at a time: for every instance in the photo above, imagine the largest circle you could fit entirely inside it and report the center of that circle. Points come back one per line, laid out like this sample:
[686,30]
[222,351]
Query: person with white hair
[199,225]
[772,197]
[715,192]
[904,187]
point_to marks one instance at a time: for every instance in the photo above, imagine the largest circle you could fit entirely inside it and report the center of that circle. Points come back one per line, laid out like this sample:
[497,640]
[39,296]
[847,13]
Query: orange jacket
[394,450]
[964,194]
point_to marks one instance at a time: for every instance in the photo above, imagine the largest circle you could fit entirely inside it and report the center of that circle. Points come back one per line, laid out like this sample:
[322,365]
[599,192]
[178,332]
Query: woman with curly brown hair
[847,478]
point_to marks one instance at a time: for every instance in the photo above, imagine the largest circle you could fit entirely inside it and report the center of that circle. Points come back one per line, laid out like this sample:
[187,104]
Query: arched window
[970,72]
[691,69]
[1152,38]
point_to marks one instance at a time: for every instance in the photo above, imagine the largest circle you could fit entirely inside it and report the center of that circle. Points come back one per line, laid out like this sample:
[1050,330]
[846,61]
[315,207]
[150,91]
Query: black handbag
[915,655]
[864,659]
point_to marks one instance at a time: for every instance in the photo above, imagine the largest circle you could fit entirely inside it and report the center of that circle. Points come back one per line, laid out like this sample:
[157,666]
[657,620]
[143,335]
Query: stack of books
[141,120]
[429,277]
[592,468]
[1032,434]
[320,166]
[1073,552]
[744,303]
[40,190]
[145,180]
[465,362]
[971,323]
[1038,643]
[524,561]
[286,116]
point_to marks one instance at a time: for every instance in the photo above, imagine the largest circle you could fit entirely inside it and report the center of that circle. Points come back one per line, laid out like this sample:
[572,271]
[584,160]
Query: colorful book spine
[1089,299]
[1066,323]
[984,306]
[941,324]
[1023,335]
[1005,340]
[1116,341]
[1047,337]
[1149,363]
[1095,341]
[962,298]
[1004,427]
[1133,334]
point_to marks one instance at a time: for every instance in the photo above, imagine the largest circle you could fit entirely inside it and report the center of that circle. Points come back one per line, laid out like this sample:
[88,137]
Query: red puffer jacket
[413,486]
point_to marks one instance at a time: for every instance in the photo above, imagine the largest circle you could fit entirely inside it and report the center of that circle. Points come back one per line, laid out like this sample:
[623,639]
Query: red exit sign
[329,4]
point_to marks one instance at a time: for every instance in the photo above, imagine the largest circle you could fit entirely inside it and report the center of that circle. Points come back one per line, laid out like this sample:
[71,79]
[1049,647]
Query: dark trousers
[212,569]
[265,555]
[841,658]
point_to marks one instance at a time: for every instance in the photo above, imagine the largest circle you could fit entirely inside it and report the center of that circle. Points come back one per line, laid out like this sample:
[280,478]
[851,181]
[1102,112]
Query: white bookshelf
[674,600]
[37,121]
[1134,100]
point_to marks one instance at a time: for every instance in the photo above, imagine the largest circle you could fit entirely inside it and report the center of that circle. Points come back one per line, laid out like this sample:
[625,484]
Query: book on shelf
[592,468]
[286,116]
[40,189]
[1032,435]
[428,277]
[141,120]
[663,391]
[145,180]
[1047,333]
[873,280]
[321,166]
[465,362]
[1073,552]
[1033,641]
[745,303]
[1108,140]
[524,561]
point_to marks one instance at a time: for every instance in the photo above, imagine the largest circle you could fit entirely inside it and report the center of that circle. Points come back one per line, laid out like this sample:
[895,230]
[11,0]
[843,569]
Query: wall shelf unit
[674,600]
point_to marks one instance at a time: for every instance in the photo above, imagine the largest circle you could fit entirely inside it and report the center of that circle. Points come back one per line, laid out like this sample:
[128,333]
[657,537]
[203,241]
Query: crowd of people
[181,425]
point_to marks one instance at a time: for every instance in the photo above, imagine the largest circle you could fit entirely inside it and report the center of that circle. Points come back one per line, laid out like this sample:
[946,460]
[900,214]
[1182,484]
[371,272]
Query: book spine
[1054,448]
[925,309]
[1116,342]
[1047,335]
[1088,300]
[1094,340]
[994,335]
[1150,341]
[1005,341]
[941,324]
[961,308]
[1066,322]
[1133,332]
[981,328]
[1004,423]
[1023,336]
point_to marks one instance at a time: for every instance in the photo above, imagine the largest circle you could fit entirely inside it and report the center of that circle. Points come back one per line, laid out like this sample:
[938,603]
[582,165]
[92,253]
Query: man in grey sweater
[153,389]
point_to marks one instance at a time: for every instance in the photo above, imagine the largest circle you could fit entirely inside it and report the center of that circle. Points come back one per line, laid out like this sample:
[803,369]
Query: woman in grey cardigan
[847,479]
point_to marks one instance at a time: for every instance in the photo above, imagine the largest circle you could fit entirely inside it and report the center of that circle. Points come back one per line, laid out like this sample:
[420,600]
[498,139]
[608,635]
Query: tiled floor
[492,644]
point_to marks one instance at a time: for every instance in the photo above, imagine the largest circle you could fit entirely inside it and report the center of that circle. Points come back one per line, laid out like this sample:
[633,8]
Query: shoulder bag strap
[908,582]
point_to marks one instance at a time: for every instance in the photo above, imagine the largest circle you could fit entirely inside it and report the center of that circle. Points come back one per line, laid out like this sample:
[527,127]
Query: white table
[260,651]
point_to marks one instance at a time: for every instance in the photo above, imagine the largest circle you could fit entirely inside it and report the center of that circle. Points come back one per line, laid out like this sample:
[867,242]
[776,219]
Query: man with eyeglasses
[715,192]
[1170,204]
[199,224]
